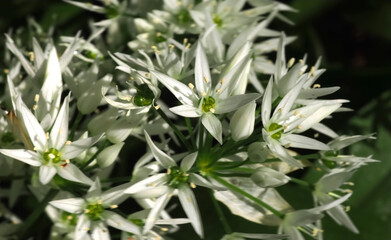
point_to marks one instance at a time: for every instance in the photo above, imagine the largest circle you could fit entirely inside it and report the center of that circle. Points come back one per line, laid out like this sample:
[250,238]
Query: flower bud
[258,152]
[267,177]
[242,122]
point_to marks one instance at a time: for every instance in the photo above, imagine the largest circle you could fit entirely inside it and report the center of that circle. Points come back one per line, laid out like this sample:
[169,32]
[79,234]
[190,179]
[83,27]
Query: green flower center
[218,21]
[52,155]
[177,177]
[69,218]
[328,163]
[208,104]
[138,222]
[273,127]
[94,210]
[144,96]
[183,17]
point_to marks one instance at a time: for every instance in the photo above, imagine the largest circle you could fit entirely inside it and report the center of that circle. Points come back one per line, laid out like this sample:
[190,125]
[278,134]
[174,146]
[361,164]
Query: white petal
[234,102]
[188,161]
[213,125]
[147,185]
[317,116]
[82,227]
[165,160]
[182,92]
[203,80]
[71,205]
[287,102]
[116,221]
[59,132]
[75,148]
[186,111]
[160,204]
[109,155]
[267,102]
[34,129]
[73,173]
[100,232]
[319,127]
[115,195]
[26,156]
[242,122]
[331,204]
[189,204]
[46,174]
[298,141]
[26,64]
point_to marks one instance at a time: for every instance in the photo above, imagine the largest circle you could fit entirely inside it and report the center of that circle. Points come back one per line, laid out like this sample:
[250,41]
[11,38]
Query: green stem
[101,148]
[191,133]
[247,195]
[220,213]
[75,125]
[38,210]
[200,136]
[302,183]
[176,130]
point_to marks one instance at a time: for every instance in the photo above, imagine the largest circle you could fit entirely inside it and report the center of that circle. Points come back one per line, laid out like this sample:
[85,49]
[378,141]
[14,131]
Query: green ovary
[144,96]
[273,127]
[94,211]
[52,155]
[208,104]
[69,218]
[183,17]
[177,177]
[218,21]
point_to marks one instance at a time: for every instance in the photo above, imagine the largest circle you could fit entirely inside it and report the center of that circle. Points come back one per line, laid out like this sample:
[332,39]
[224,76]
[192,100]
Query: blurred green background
[354,39]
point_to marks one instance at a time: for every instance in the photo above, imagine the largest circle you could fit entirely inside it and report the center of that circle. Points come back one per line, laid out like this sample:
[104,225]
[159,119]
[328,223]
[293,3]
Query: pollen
[218,90]
[31,54]
[316,135]
[296,113]
[169,171]
[347,208]
[36,98]
[291,62]
[114,206]
[179,3]
[222,81]
[6,71]
[312,71]
[299,127]
[206,79]
[316,85]
[47,135]
[157,107]
[164,229]
[301,61]
[203,94]
[131,78]
[86,229]
[67,142]
[171,46]
[35,107]
[185,40]
[191,86]
[212,110]
[192,185]
[147,75]
[188,46]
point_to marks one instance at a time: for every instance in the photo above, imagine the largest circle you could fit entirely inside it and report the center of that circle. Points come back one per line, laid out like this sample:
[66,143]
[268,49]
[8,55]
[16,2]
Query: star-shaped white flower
[51,151]
[204,101]
[92,214]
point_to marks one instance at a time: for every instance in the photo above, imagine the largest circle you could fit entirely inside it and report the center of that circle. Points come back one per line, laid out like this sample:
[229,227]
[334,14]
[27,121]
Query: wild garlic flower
[163,185]
[280,129]
[202,100]
[93,212]
[52,153]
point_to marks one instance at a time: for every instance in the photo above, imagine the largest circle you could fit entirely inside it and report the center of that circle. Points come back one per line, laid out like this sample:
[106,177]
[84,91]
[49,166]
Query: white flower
[163,186]
[280,129]
[204,101]
[92,215]
[52,152]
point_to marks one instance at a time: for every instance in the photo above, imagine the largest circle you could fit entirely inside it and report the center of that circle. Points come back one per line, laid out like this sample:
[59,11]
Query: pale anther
[36,98]
[291,62]
[191,86]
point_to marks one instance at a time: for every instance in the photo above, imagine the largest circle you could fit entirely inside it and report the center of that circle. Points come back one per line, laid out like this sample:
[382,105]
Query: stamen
[36,98]
[31,54]
[157,107]
[35,107]
[316,135]
[164,229]
[203,94]
[218,90]
[206,79]
[147,75]
[188,46]
[169,171]
[191,86]
[222,81]
[296,113]
[347,209]
[212,110]
[291,62]
[6,71]
[185,41]
[47,135]
[192,185]
[316,85]
[299,127]
[114,206]
[67,142]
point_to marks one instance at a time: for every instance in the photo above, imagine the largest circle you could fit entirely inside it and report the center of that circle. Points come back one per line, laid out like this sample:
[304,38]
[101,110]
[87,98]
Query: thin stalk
[200,136]
[220,213]
[176,130]
[191,133]
[38,210]
[101,148]
[247,195]
[302,183]
[75,125]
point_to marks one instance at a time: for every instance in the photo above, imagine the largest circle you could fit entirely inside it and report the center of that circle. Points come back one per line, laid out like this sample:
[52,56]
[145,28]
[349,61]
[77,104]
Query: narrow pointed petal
[234,102]
[75,148]
[71,205]
[186,111]
[73,173]
[116,221]
[331,204]
[82,227]
[299,141]
[95,189]
[160,204]
[26,156]
[203,80]
[182,92]
[100,231]
[165,160]
[188,161]
[288,100]
[317,116]
[59,132]
[108,156]
[189,205]
[149,187]
[267,102]
[34,129]
[213,125]
[115,195]
[46,174]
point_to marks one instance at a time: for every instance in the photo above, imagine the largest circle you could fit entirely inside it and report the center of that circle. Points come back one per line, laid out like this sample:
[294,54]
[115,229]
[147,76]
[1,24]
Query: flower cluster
[189,79]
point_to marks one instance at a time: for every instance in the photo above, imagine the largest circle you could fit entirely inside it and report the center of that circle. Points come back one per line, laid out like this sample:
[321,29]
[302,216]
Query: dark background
[354,39]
